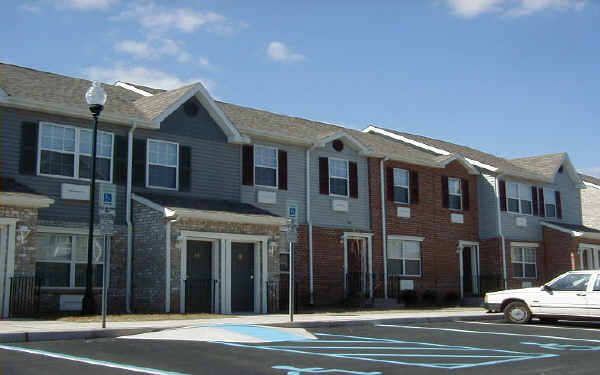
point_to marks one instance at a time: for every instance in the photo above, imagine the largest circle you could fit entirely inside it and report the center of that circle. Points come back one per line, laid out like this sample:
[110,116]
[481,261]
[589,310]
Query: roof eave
[34,105]
[25,200]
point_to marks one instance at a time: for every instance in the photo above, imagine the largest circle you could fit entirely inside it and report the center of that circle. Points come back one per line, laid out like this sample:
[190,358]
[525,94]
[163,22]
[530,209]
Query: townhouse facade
[204,191]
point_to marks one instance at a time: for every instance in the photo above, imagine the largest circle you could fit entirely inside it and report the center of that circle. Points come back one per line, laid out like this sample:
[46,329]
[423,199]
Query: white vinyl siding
[163,165]
[65,151]
[265,166]
[401,186]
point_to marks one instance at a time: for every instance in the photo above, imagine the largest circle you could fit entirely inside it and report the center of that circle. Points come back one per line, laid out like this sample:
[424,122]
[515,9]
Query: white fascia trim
[462,243]
[462,160]
[357,234]
[37,106]
[231,217]
[591,185]
[561,229]
[65,230]
[524,244]
[168,213]
[132,88]
[362,149]
[24,200]
[405,238]
[424,146]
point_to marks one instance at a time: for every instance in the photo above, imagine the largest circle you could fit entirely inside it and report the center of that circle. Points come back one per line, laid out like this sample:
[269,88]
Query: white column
[345,261]
[265,275]
[257,272]
[461,273]
[222,276]
[183,275]
[227,277]
[10,265]
[370,247]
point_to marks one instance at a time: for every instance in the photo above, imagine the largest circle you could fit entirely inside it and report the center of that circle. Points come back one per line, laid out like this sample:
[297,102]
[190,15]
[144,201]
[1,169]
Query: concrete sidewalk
[39,330]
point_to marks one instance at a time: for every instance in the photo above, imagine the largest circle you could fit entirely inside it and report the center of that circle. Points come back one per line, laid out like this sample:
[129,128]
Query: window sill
[267,187]
[80,179]
[161,188]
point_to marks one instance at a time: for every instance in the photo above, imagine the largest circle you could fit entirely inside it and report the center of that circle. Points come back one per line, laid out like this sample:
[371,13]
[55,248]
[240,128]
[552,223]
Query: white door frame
[223,266]
[593,255]
[475,265]
[369,239]
[7,261]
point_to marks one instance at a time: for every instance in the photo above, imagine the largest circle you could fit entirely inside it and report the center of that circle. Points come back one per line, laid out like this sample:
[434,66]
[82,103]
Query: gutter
[128,218]
[383,226]
[500,234]
[310,231]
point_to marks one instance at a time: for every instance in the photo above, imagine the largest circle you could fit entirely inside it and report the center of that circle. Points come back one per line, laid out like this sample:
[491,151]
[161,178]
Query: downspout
[500,234]
[168,264]
[128,218]
[310,231]
[383,226]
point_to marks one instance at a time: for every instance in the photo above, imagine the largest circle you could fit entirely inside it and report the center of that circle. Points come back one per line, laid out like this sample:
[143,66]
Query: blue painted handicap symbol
[108,197]
[319,370]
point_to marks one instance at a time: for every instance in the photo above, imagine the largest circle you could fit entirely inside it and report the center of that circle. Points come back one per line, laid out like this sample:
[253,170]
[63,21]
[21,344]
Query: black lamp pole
[88,298]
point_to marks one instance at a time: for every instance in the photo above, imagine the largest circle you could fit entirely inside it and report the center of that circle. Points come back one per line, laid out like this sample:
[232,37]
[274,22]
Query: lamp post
[95,98]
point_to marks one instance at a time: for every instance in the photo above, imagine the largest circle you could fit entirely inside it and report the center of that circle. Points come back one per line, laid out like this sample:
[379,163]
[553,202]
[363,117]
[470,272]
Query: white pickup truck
[572,295]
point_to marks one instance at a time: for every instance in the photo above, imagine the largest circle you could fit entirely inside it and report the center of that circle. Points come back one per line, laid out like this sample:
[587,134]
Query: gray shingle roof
[546,165]
[503,164]
[154,106]
[214,205]
[590,179]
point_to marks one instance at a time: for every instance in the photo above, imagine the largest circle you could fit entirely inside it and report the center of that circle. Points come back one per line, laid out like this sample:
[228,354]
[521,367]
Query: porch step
[472,301]
[389,303]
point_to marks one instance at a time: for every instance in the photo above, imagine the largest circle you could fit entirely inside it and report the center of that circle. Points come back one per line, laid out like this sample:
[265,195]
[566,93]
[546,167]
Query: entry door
[3,254]
[467,272]
[199,281]
[242,277]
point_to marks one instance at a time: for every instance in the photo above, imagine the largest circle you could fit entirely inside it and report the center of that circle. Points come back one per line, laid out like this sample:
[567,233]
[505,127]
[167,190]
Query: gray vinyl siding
[296,191]
[570,197]
[322,213]
[201,126]
[61,210]
[488,207]
[590,197]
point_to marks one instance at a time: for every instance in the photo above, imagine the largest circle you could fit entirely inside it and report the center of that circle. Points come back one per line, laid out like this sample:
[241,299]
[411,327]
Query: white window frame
[76,154]
[456,195]
[161,165]
[407,187]
[518,198]
[402,240]
[267,166]
[550,193]
[73,261]
[341,178]
[522,263]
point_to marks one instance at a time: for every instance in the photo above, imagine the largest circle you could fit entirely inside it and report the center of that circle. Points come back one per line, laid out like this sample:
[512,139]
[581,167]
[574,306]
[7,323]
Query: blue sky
[511,77]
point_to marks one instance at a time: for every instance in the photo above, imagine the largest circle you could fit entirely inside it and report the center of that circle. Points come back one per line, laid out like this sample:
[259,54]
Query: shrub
[451,298]
[429,297]
[409,297]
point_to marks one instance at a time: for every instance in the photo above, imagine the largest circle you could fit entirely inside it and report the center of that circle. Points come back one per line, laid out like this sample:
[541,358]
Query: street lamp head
[95,97]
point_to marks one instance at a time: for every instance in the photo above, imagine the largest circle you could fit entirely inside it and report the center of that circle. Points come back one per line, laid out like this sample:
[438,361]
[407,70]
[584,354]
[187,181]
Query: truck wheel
[517,312]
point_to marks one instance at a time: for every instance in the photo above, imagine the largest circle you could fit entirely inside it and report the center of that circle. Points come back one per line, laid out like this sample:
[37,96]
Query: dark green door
[242,277]
[199,283]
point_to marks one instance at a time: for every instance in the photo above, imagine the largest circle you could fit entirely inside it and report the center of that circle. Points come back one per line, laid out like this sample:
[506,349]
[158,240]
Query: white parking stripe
[540,326]
[486,332]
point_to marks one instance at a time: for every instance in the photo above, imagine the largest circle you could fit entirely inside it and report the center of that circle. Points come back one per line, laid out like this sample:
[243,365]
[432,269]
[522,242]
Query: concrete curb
[72,335]
[354,323]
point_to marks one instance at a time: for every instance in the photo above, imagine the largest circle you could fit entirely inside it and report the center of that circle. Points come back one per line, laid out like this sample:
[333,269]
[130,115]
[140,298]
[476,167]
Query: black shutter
[248,165]
[445,193]
[185,168]
[542,206]
[502,195]
[389,181]
[414,187]
[139,162]
[29,142]
[324,176]
[464,185]
[353,174]
[558,205]
[283,169]
[120,162]
[534,201]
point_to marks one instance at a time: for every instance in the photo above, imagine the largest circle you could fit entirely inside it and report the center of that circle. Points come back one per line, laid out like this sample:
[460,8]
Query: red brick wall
[562,252]
[328,265]
[429,219]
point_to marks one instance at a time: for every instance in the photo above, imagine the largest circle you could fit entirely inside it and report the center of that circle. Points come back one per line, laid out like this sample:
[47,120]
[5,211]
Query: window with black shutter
[139,162]
[324,176]
[283,169]
[185,168]
[29,143]
[248,165]
[120,162]
[353,174]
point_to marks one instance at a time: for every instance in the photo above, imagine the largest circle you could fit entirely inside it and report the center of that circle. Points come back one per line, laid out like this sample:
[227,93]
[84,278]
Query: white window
[162,167]
[265,166]
[519,198]
[524,262]
[550,202]
[61,260]
[404,258]
[455,193]
[66,151]
[401,183]
[338,177]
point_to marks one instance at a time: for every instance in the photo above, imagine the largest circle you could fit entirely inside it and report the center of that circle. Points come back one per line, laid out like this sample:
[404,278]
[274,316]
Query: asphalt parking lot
[460,347]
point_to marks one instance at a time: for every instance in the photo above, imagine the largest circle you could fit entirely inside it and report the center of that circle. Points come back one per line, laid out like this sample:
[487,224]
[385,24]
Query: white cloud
[278,51]
[83,4]
[474,8]
[158,19]
[155,48]
[143,76]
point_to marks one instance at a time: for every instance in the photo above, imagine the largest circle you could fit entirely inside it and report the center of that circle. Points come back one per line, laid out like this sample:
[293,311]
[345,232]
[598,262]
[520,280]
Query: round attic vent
[338,145]
[190,109]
